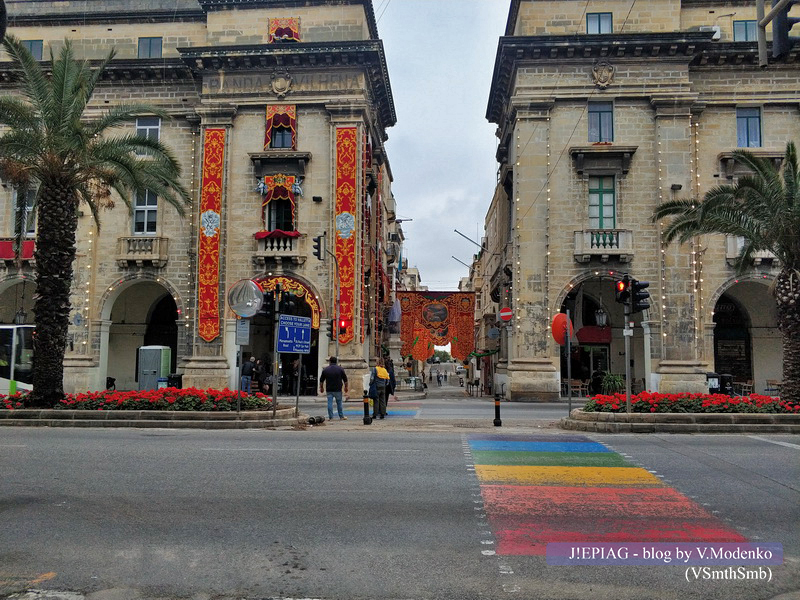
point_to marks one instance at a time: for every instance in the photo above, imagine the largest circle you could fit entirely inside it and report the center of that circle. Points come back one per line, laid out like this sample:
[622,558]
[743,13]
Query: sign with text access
[294,334]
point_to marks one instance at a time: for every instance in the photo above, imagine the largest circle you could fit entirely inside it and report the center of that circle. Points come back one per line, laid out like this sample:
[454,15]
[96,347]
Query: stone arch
[301,287]
[22,287]
[114,290]
[651,314]
[731,281]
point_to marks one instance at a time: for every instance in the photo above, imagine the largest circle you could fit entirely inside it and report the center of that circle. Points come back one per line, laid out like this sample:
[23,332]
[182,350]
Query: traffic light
[331,328]
[623,289]
[639,296]
[342,326]
[782,24]
[318,246]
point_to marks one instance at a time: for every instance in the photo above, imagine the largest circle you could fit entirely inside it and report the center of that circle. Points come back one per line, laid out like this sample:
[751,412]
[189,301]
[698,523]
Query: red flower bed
[653,402]
[160,399]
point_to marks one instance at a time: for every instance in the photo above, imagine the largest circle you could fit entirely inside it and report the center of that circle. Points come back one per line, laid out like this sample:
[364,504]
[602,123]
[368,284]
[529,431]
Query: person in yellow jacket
[379,384]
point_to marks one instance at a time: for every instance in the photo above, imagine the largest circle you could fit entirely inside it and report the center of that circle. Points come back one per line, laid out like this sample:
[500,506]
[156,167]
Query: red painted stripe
[559,501]
[531,535]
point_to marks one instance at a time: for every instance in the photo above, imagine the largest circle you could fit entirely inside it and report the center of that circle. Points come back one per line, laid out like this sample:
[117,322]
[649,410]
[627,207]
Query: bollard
[367,418]
[497,421]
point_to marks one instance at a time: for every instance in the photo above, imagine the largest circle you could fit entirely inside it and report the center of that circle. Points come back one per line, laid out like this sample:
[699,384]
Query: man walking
[247,374]
[332,378]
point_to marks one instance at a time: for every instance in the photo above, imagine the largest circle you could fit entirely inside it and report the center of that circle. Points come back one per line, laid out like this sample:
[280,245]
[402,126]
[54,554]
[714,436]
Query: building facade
[279,113]
[604,110]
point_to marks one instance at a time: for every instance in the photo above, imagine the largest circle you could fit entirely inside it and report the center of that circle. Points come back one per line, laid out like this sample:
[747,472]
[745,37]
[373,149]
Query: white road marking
[787,444]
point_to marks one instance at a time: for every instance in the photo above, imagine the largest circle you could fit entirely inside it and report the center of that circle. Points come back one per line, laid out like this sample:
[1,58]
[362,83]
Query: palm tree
[762,207]
[70,158]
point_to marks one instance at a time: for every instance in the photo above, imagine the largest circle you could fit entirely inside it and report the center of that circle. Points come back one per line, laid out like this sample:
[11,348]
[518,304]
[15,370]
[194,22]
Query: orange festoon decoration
[437,318]
[284,30]
[346,229]
[281,115]
[295,287]
[208,252]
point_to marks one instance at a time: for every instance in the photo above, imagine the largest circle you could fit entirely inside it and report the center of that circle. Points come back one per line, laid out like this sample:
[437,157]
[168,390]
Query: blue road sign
[294,334]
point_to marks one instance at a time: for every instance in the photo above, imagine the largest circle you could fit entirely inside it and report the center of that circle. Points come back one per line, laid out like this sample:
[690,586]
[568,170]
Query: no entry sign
[505,314]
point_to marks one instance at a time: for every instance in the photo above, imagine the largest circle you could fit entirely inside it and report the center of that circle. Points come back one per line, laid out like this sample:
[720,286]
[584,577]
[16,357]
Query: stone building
[279,113]
[603,111]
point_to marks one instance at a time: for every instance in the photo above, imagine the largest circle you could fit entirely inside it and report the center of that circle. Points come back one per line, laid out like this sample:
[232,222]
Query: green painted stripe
[555,459]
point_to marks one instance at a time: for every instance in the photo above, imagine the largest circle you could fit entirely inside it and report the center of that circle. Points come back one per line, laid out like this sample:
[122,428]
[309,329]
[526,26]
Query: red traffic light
[620,286]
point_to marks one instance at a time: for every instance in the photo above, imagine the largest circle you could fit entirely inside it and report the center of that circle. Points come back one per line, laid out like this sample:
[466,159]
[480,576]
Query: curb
[599,422]
[30,417]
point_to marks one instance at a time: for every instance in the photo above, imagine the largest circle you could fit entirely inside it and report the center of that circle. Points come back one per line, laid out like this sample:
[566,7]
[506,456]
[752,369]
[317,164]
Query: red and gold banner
[208,253]
[281,115]
[297,288]
[346,229]
[437,319]
[284,30]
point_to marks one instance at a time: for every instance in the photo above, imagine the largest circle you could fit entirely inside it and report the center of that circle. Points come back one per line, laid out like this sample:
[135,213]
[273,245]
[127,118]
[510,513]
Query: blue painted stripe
[537,446]
[524,437]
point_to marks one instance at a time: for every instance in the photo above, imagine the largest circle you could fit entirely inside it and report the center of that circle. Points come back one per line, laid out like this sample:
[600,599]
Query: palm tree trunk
[787,297]
[55,253]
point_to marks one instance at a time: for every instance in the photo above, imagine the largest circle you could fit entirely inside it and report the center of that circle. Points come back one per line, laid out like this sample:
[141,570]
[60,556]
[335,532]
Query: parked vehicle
[16,358]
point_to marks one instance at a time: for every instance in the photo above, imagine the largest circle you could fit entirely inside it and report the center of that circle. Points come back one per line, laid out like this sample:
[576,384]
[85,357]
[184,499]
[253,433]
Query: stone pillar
[532,372]
[680,367]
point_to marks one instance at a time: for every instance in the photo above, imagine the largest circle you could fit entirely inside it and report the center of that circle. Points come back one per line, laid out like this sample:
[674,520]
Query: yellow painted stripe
[574,476]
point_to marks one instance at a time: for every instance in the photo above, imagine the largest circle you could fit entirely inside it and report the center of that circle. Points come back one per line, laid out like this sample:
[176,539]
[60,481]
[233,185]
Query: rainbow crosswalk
[567,488]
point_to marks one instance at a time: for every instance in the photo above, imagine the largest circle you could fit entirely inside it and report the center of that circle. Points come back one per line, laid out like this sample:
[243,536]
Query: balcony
[603,244]
[274,249]
[733,247]
[140,250]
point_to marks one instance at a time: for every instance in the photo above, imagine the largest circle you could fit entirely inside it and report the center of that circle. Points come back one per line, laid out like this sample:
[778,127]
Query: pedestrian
[333,378]
[445,376]
[392,381]
[247,373]
[379,381]
[260,375]
[438,378]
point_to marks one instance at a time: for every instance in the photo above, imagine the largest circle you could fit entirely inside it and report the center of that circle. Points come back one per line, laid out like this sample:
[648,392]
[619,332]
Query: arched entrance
[16,301]
[747,343]
[296,298]
[144,313]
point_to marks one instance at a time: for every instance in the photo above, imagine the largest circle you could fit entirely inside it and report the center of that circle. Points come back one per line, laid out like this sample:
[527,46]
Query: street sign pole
[299,380]
[276,360]
[567,327]
[627,332]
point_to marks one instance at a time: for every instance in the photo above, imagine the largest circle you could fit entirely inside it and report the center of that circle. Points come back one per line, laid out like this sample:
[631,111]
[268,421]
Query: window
[748,127]
[279,216]
[601,122]
[150,47]
[598,22]
[281,137]
[29,217]
[35,47]
[145,212]
[602,203]
[745,31]
[148,127]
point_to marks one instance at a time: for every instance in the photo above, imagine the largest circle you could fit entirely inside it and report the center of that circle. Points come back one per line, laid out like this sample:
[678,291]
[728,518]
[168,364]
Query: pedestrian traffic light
[342,326]
[331,328]
[639,295]
[782,25]
[623,289]
[318,246]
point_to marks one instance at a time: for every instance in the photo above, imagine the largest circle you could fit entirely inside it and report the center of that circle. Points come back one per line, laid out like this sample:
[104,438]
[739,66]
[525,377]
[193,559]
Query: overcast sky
[440,55]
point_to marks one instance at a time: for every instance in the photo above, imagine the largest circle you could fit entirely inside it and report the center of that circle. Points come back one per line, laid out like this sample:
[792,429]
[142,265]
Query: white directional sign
[294,334]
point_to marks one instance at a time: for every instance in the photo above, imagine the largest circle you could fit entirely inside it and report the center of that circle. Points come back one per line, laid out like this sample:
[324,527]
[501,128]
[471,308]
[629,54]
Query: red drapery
[7,250]
[347,226]
[278,233]
[279,187]
[281,115]
[284,30]
[443,317]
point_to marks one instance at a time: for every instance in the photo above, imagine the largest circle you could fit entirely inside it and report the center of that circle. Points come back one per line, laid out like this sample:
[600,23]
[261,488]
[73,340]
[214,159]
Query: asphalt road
[341,512]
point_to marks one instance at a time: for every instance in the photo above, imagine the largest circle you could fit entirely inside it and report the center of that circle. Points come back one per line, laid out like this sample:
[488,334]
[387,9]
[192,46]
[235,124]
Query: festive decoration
[297,288]
[281,115]
[278,233]
[279,187]
[445,317]
[7,250]
[346,230]
[284,30]
[208,253]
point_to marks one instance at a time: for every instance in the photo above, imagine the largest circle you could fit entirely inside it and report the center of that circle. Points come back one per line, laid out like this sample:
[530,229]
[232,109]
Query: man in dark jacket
[332,378]
[247,374]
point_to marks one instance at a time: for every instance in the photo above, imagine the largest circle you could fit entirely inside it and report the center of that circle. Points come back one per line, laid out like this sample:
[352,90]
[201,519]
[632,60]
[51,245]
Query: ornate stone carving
[603,74]
[281,83]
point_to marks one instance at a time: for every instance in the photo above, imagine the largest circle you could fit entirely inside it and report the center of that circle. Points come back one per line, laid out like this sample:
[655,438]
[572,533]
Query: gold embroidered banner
[297,288]
[437,318]
[208,253]
[346,230]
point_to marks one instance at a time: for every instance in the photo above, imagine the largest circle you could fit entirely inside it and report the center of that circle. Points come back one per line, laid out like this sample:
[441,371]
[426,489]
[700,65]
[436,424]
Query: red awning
[278,233]
[591,334]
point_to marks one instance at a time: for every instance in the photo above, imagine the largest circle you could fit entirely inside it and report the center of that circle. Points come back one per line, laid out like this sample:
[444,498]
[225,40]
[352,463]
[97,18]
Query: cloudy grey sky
[440,55]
